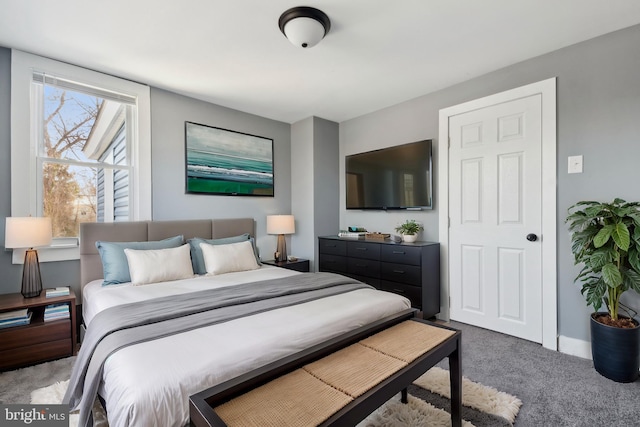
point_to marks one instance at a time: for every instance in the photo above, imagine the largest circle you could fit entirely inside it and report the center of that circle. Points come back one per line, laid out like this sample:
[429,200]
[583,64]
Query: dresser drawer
[401,254]
[363,250]
[333,247]
[34,333]
[333,263]
[402,273]
[363,267]
[375,282]
[414,293]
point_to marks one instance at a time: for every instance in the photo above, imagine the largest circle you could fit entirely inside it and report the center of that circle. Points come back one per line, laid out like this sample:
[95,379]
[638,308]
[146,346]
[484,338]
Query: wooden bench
[339,382]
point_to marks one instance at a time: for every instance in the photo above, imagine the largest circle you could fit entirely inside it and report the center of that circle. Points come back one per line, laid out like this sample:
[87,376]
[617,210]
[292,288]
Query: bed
[149,383]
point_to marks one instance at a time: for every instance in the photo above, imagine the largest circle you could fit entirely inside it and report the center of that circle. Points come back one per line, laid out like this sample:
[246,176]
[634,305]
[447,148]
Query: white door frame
[547,89]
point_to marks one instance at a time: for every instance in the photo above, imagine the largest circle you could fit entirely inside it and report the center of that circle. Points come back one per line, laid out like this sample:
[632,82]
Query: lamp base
[281,250]
[31,279]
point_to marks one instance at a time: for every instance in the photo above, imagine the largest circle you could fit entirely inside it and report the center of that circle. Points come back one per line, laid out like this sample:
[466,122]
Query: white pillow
[159,265]
[219,259]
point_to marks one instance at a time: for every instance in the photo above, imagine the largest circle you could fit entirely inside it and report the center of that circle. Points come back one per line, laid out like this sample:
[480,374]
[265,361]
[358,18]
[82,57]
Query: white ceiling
[231,53]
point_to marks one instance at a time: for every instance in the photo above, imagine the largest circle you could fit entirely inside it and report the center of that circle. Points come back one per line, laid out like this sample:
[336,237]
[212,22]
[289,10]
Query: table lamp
[29,232]
[281,225]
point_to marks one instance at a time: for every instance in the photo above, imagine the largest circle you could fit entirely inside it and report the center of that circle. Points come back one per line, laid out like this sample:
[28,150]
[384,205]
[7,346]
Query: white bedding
[149,384]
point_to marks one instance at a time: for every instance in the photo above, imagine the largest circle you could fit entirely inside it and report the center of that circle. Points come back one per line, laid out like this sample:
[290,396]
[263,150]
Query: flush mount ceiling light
[304,26]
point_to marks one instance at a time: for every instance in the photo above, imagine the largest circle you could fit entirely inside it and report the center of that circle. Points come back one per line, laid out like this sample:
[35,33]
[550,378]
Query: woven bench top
[310,395]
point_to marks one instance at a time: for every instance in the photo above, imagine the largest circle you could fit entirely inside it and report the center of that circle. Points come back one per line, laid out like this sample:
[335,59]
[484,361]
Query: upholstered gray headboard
[142,231]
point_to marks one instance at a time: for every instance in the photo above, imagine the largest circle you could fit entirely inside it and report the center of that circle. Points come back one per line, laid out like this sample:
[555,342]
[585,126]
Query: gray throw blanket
[128,324]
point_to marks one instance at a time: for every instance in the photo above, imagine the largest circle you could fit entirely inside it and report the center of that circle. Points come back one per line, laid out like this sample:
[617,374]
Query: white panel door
[495,205]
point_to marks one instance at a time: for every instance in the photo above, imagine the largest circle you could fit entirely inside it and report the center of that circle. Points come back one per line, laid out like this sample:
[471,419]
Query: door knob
[532,237]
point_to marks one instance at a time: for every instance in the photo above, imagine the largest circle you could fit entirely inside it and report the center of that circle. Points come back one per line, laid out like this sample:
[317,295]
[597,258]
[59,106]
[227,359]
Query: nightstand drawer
[36,353]
[333,247]
[402,273]
[35,333]
[401,254]
[363,267]
[334,263]
[363,250]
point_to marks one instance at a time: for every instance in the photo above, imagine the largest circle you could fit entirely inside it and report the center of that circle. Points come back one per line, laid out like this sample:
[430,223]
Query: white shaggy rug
[416,413]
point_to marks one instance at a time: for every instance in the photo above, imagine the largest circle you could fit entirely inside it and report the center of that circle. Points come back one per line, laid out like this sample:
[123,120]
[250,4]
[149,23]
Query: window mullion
[95,165]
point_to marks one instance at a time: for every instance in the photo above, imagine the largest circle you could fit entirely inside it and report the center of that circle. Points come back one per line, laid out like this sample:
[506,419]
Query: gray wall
[314,168]
[302,199]
[326,180]
[169,111]
[598,116]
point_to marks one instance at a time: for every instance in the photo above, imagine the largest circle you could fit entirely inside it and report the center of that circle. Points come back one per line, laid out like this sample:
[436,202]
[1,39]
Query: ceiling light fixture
[304,26]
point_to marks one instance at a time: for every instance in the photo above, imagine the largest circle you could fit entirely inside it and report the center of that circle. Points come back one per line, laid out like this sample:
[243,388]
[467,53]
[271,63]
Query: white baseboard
[574,347]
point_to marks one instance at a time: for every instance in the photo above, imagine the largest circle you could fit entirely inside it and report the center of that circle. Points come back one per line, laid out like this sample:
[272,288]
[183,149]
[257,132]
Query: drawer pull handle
[401,291]
[398,271]
[399,252]
[330,246]
[361,249]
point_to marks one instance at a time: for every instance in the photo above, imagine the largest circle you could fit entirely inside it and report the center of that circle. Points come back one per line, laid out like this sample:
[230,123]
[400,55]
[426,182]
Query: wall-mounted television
[398,177]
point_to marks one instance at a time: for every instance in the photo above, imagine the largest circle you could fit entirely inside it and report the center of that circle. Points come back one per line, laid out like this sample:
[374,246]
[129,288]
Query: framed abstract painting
[226,162]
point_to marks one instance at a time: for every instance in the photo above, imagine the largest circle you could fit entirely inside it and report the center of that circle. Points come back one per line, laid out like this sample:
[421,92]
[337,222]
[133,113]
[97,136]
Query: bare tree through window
[77,155]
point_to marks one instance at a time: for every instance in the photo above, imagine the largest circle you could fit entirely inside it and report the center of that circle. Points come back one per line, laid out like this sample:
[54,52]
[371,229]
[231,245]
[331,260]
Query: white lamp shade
[280,224]
[304,32]
[27,232]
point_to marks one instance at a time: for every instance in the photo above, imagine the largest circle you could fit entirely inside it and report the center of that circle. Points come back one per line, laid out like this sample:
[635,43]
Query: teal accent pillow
[197,259]
[114,261]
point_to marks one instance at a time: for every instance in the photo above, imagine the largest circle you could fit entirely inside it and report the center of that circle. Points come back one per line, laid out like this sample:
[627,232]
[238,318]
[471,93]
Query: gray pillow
[197,259]
[114,261]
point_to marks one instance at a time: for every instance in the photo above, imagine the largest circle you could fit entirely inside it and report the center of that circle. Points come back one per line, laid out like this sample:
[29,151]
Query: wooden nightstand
[38,341]
[301,265]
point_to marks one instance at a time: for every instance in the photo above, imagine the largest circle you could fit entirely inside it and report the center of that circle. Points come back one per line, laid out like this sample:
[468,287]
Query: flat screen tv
[396,177]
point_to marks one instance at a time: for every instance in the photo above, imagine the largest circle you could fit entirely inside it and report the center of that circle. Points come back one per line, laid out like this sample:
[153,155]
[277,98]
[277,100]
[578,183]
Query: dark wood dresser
[409,269]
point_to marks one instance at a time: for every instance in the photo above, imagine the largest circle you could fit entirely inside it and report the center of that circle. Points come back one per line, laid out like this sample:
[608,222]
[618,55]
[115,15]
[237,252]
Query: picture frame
[225,162]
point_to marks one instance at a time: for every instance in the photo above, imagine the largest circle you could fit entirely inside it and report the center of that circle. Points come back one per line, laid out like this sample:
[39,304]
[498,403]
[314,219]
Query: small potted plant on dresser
[606,239]
[409,230]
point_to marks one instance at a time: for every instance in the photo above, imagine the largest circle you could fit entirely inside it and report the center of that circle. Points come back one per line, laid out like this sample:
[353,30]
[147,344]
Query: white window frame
[24,144]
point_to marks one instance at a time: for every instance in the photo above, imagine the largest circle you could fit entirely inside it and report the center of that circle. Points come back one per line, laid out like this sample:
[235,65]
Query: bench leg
[404,397]
[455,377]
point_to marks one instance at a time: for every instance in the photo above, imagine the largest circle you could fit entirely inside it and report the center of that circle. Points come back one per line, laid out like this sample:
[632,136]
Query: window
[80,148]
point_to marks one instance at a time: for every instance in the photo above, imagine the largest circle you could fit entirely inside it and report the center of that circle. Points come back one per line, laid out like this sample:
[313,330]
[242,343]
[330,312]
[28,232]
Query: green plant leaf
[632,280]
[603,236]
[620,235]
[619,201]
[634,258]
[611,275]
[601,257]
[595,211]
[635,216]
[594,292]
[636,235]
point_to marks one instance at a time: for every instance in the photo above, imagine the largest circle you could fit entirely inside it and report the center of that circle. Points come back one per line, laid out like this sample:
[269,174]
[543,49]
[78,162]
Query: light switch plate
[575,164]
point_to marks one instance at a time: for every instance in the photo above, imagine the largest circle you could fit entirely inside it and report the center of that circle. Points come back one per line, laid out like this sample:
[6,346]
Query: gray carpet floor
[556,389]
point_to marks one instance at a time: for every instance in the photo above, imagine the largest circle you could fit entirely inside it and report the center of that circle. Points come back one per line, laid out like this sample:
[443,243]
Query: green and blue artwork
[221,161]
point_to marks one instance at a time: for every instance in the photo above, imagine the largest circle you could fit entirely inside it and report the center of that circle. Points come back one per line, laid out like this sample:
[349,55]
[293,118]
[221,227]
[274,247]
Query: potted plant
[409,230]
[606,239]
